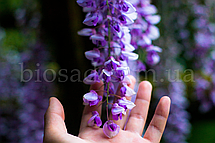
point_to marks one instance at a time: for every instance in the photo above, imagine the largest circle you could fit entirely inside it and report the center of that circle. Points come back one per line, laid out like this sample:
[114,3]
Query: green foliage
[203,132]
[16,40]
[9,5]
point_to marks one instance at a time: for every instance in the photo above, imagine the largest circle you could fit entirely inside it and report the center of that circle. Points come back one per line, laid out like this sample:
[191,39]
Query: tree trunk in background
[60,22]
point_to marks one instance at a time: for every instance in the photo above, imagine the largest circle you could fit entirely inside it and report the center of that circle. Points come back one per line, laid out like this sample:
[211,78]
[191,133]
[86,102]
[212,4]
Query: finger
[122,122]
[157,125]
[139,113]
[87,113]
[54,119]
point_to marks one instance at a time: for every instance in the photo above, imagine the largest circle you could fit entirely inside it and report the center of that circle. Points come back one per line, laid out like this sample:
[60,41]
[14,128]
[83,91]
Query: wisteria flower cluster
[111,35]
[144,31]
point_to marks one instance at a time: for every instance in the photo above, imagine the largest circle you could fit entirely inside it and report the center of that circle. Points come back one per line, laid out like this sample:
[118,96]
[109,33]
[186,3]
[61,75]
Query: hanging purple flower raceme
[144,30]
[111,56]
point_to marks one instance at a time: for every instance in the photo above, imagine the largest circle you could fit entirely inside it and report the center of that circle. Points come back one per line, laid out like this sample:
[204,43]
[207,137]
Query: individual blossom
[95,120]
[117,111]
[91,98]
[129,91]
[111,129]
[126,104]
[111,64]
[92,78]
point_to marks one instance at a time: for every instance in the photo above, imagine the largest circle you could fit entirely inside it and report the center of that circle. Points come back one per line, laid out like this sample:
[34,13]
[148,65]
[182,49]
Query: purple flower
[152,58]
[123,102]
[106,75]
[130,55]
[92,19]
[118,76]
[95,120]
[111,64]
[93,54]
[153,32]
[117,111]
[148,10]
[86,32]
[92,78]
[84,3]
[153,19]
[152,55]
[91,98]
[129,91]
[98,40]
[110,129]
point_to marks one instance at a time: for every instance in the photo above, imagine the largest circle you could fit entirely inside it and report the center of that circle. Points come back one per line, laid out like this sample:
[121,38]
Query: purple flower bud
[86,32]
[92,54]
[91,98]
[84,3]
[110,129]
[90,7]
[92,78]
[117,111]
[94,120]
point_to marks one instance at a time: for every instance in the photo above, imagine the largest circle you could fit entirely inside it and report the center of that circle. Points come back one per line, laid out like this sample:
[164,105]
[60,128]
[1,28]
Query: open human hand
[55,130]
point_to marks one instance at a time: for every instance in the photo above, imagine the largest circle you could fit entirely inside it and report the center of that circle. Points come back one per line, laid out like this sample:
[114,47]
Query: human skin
[55,129]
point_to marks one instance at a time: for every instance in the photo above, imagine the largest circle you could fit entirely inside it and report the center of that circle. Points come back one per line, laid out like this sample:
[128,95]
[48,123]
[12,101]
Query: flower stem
[109,30]
[107,99]
[109,54]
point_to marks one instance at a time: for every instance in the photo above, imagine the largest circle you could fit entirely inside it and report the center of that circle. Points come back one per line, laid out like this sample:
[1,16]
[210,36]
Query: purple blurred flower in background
[24,96]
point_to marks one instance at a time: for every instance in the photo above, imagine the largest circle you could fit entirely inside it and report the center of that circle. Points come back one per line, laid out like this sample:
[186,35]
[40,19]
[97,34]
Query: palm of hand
[97,136]
[56,132]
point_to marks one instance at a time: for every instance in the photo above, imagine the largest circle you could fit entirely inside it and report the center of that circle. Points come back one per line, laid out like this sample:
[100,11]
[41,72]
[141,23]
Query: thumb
[54,119]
